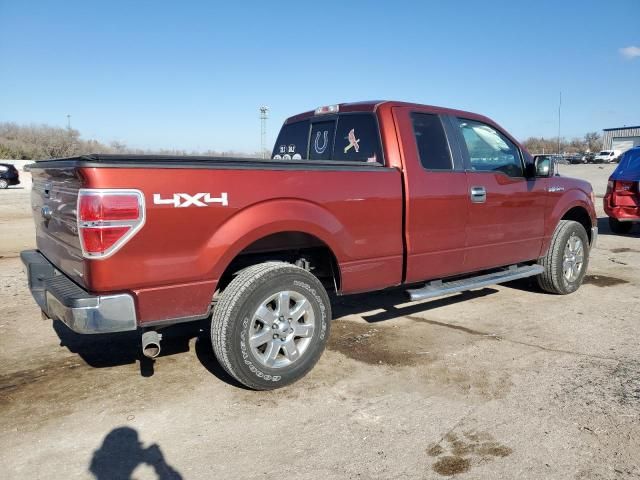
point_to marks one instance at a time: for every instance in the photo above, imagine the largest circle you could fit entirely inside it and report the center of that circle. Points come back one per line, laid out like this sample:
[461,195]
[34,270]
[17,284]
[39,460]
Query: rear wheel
[3,184]
[270,325]
[566,261]
[617,226]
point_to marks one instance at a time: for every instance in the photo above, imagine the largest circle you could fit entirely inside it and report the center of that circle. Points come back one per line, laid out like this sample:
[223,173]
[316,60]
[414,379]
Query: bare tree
[593,141]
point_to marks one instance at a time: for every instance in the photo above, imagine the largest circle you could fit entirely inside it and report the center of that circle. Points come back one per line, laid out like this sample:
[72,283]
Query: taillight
[610,186]
[107,219]
[622,187]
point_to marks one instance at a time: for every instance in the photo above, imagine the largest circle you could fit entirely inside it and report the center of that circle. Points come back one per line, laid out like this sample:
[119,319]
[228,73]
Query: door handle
[478,194]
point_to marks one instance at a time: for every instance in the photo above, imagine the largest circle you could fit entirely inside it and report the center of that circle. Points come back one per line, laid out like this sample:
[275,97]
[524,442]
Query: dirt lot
[503,382]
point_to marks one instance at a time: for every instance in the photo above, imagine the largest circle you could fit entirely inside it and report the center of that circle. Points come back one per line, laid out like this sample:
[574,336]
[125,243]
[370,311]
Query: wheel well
[580,215]
[302,249]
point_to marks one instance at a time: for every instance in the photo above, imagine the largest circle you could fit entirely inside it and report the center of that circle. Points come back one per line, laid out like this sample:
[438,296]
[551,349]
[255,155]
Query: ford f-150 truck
[357,197]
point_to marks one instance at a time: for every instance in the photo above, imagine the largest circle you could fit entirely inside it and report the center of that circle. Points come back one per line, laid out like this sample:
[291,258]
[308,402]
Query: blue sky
[192,74]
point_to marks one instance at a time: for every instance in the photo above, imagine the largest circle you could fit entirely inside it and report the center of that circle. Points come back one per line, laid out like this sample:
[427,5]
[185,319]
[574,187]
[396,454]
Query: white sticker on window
[316,144]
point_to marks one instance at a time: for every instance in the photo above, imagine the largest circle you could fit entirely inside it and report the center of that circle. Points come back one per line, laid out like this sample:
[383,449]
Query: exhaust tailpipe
[151,344]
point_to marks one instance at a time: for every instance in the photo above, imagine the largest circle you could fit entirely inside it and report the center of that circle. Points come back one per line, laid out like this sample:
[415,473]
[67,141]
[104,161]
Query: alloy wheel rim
[573,258]
[281,329]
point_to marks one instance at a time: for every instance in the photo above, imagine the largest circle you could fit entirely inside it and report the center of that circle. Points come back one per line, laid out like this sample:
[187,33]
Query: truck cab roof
[374,105]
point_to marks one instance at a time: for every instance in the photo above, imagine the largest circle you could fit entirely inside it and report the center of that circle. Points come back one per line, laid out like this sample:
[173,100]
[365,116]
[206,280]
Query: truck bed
[174,263]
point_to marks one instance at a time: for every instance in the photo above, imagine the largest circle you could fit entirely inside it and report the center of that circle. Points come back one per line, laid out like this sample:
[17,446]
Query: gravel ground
[503,382]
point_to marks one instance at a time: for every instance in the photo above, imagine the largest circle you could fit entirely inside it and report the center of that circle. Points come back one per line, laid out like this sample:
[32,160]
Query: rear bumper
[81,311]
[622,214]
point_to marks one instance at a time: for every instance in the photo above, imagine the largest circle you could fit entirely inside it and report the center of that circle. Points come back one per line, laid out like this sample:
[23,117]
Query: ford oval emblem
[46,212]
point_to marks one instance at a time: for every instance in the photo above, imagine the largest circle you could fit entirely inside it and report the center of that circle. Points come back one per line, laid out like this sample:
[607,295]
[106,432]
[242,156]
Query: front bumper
[61,299]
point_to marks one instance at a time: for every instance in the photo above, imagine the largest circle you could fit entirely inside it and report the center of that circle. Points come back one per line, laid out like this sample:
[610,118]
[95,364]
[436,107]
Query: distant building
[622,138]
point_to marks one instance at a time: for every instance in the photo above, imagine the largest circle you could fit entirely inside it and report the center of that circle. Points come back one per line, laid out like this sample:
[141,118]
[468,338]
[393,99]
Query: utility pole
[68,122]
[264,114]
[559,108]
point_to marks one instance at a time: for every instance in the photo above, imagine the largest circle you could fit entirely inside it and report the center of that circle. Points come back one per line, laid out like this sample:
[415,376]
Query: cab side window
[431,141]
[489,150]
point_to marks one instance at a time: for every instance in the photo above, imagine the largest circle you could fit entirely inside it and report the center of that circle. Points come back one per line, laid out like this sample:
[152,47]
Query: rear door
[506,210]
[436,204]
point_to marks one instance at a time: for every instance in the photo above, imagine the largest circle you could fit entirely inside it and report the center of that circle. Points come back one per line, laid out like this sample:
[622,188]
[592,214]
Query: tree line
[41,142]
[591,142]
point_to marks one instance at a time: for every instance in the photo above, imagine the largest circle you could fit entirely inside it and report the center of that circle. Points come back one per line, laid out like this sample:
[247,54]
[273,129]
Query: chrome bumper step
[438,288]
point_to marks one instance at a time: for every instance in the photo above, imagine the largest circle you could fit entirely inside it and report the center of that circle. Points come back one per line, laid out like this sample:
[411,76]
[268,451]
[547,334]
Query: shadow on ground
[394,303]
[116,349]
[111,350]
[603,229]
[122,452]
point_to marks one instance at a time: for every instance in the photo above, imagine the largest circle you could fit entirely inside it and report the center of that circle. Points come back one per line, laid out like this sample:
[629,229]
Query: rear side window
[433,148]
[292,142]
[357,139]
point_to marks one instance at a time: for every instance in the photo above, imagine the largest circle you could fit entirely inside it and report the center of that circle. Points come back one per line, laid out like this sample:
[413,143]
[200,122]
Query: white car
[607,156]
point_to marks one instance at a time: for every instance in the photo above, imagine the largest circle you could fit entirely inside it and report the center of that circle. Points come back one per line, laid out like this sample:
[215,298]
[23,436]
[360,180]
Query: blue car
[622,200]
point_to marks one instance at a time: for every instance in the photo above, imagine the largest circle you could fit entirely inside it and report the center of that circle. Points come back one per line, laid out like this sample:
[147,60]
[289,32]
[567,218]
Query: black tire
[3,184]
[619,227]
[553,280]
[234,318]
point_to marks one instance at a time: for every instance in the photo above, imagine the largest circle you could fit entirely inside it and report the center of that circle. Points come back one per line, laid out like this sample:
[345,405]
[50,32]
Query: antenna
[264,114]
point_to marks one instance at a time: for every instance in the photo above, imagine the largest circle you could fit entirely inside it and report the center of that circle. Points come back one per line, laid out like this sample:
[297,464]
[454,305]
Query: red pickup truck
[357,197]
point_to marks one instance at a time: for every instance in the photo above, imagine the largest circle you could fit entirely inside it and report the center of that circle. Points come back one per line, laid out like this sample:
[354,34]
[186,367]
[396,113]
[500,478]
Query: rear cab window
[350,137]
[292,142]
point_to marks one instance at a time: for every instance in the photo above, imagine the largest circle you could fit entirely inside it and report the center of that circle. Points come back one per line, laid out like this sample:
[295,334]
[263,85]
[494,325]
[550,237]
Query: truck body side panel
[174,262]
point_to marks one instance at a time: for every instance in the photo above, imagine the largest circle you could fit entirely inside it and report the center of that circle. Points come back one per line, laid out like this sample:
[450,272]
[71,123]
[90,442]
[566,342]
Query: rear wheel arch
[300,248]
[289,217]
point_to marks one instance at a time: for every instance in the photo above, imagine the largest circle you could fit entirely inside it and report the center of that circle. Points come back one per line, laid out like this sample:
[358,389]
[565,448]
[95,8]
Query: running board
[438,288]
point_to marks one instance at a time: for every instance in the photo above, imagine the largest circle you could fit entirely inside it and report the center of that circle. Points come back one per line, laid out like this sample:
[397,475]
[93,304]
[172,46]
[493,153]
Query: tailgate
[53,200]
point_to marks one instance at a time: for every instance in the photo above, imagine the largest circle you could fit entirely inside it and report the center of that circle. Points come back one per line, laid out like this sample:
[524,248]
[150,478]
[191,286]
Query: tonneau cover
[195,161]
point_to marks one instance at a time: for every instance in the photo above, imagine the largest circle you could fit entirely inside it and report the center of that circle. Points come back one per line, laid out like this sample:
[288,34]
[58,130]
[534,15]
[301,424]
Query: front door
[506,210]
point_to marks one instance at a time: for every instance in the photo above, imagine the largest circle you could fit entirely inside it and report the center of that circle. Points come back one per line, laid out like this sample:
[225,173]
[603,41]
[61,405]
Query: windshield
[604,152]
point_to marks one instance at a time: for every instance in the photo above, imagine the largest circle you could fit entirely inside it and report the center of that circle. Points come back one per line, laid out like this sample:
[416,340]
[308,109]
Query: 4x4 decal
[181,200]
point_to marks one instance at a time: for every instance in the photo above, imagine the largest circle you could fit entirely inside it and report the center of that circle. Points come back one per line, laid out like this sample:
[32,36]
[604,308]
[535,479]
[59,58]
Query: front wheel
[566,261]
[270,325]
[619,227]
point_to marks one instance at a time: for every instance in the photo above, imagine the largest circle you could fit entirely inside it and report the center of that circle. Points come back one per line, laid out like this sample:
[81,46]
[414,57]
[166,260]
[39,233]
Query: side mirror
[544,167]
